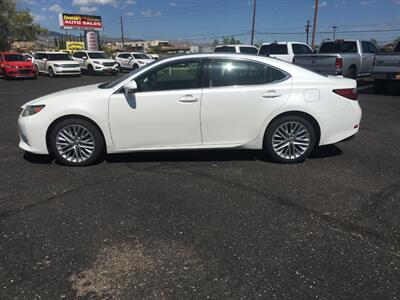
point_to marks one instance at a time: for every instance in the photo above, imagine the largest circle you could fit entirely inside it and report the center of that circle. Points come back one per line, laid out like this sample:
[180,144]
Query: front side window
[140,56]
[79,54]
[233,72]
[225,49]
[301,49]
[248,50]
[174,76]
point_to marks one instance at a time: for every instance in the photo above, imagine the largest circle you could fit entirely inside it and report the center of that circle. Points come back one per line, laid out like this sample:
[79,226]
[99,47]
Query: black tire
[120,70]
[135,67]
[90,70]
[51,73]
[34,77]
[380,86]
[281,157]
[97,153]
[4,74]
[351,73]
[37,69]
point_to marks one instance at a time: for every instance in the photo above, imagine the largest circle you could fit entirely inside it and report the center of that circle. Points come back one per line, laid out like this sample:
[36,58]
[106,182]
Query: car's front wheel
[289,139]
[51,72]
[77,142]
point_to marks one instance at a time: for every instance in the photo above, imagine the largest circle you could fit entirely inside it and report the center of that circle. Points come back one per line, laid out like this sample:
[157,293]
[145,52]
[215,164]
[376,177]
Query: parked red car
[15,65]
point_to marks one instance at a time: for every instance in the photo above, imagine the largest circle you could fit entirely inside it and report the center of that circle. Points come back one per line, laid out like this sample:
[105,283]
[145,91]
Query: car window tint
[301,49]
[175,76]
[78,54]
[248,50]
[225,49]
[274,49]
[231,72]
[397,49]
[365,47]
[338,47]
[373,48]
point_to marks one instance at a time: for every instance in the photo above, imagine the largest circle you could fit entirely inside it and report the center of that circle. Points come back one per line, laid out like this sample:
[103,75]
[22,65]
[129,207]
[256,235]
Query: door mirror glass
[130,87]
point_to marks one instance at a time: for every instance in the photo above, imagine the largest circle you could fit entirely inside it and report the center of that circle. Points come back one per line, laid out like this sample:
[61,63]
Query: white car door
[163,113]
[240,97]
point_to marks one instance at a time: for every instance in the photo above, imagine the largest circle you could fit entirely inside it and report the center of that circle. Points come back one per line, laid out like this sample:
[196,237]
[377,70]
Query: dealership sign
[80,22]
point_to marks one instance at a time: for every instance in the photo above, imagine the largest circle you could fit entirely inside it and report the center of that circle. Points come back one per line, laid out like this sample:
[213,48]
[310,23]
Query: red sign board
[80,22]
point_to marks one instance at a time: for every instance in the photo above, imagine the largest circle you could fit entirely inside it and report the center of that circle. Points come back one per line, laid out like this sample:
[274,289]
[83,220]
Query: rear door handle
[271,94]
[188,99]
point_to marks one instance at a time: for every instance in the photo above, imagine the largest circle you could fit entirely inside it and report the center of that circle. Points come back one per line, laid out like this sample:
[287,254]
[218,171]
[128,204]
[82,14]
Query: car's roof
[283,43]
[234,45]
[10,53]
[51,52]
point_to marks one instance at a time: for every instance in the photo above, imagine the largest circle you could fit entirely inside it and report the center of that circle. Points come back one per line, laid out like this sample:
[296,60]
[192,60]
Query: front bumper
[106,69]
[32,134]
[20,73]
[67,71]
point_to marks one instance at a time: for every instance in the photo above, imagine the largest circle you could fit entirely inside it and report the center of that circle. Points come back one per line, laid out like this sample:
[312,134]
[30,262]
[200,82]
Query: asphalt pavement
[202,224]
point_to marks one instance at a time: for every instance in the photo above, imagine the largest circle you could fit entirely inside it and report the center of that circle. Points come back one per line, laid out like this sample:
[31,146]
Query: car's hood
[19,63]
[74,92]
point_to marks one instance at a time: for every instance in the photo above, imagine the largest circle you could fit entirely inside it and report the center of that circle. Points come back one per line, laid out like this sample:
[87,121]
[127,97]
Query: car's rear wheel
[135,67]
[351,73]
[77,142]
[380,86]
[90,70]
[289,139]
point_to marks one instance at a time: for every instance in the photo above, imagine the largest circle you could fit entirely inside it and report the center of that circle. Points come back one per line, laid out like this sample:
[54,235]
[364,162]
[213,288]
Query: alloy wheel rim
[75,143]
[291,140]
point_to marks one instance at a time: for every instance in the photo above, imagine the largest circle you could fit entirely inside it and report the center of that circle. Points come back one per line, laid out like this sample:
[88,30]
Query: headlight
[31,110]
[97,62]
[12,67]
[57,65]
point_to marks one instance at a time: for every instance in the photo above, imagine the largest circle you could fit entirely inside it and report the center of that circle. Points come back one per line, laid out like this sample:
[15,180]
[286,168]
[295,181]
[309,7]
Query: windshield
[249,50]
[140,56]
[58,56]
[14,57]
[97,55]
[225,49]
[274,49]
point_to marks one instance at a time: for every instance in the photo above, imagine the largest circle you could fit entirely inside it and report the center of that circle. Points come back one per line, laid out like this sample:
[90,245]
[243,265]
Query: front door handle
[188,99]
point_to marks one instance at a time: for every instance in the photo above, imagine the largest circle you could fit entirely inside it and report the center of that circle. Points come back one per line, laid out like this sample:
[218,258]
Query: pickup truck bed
[386,68]
[327,64]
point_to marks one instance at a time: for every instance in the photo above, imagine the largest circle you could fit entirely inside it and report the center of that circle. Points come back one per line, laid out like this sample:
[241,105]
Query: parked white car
[202,101]
[55,64]
[94,62]
[284,50]
[132,60]
[244,49]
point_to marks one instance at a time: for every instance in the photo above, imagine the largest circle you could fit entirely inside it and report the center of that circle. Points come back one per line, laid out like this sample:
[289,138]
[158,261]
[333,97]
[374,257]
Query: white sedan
[203,101]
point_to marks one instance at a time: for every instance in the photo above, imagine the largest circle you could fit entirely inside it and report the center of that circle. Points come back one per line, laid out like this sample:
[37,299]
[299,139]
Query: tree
[16,25]
[230,41]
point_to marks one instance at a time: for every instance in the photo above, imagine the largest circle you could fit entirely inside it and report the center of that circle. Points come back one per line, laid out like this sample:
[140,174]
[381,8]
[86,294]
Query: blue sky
[206,19]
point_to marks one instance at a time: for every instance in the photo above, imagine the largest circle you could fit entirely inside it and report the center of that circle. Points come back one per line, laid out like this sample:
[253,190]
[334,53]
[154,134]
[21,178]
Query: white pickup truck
[350,58]
[285,51]
[386,68]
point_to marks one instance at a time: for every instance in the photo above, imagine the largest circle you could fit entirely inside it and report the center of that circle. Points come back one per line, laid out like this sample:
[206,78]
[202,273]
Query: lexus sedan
[202,101]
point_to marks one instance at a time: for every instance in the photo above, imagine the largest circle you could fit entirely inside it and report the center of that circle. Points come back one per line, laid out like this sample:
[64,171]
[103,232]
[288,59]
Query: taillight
[339,63]
[351,94]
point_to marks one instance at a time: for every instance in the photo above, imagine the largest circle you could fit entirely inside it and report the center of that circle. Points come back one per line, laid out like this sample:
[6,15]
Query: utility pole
[308,31]
[334,32]
[315,24]
[254,21]
[122,34]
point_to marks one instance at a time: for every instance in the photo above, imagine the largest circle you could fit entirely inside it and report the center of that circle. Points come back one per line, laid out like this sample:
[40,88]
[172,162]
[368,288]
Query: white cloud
[91,2]
[88,9]
[130,2]
[396,2]
[172,4]
[150,13]
[56,8]
[364,3]
[323,4]
[129,14]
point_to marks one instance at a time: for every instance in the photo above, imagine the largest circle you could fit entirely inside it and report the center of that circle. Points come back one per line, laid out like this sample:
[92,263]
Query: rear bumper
[387,76]
[340,125]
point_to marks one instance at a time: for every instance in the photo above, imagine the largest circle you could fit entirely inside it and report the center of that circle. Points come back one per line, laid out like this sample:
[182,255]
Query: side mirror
[130,87]
[84,58]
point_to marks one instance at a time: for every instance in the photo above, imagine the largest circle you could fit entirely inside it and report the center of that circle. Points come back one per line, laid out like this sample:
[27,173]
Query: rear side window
[338,47]
[233,72]
[301,49]
[273,49]
[225,49]
[248,50]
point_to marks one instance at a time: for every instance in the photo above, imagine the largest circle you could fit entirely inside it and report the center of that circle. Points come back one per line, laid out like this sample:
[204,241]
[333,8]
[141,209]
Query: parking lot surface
[202,224]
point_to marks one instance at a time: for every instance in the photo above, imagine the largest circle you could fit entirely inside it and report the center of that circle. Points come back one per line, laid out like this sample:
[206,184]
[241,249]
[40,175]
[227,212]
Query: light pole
[334,32]
[315,24]
[254,21]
